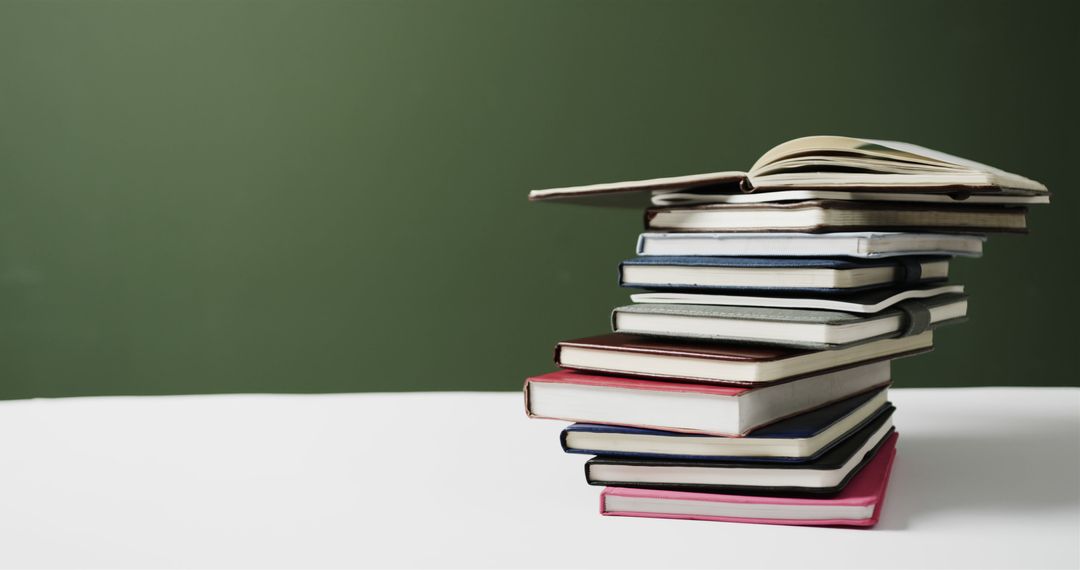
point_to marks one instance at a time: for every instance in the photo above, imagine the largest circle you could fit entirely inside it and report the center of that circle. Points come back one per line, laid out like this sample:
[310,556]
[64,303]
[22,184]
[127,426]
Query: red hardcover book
[691,408]
[859,504]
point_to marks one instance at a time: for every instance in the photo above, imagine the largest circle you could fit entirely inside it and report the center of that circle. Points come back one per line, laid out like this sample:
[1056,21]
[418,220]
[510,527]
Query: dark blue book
[696,273]
[799,439]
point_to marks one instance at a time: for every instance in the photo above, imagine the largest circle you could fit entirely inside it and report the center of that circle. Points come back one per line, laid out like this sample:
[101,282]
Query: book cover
[689,475]
[801,427]
[909,271]
[730,411]
[753,357]
[871,301]
[909,318]
[863,245]
[823,162]
[862,500]
[827,216]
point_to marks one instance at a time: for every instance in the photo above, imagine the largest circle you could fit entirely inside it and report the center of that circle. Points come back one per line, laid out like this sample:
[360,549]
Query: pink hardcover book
[687,407]
[859,504]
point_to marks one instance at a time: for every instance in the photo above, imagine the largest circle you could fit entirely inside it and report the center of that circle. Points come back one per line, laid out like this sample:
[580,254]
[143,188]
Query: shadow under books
[1023,471]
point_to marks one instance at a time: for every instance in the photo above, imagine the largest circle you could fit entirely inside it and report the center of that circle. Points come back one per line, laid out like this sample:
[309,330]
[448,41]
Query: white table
[985,478]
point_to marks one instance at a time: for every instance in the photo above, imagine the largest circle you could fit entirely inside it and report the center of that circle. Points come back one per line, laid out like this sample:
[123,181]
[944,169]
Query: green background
[310,196]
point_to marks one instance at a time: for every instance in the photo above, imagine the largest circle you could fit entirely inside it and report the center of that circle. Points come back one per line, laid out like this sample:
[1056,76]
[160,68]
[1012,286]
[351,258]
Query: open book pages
[828,163]
[832,161]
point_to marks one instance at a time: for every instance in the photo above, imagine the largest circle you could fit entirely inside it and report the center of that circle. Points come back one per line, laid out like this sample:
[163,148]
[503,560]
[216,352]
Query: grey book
[873,301]
[802,328]
[868,245]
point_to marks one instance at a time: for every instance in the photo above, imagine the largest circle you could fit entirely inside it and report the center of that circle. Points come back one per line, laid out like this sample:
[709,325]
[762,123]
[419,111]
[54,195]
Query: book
[797,439]
[826,474]
[859,302]
[730,364]
[859,504]
[800,328]
[826,216]
[692,408]
[810,274]
[825,163]
[707,195]
[844,244]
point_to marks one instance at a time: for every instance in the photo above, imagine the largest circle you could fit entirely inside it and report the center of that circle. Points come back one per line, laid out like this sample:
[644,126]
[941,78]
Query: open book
[830,163]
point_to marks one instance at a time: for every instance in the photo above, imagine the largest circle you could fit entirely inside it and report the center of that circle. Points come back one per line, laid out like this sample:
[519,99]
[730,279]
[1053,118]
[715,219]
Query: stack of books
[749,382]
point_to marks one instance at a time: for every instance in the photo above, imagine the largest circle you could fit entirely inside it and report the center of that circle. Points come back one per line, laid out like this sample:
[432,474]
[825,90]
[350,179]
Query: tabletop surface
[985,477]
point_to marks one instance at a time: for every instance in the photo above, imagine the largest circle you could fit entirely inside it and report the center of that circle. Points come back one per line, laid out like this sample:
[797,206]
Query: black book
[829,473]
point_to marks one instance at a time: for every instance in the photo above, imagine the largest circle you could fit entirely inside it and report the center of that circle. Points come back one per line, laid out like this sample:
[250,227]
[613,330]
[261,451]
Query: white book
[847,244]
[691,197]
[831,216]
